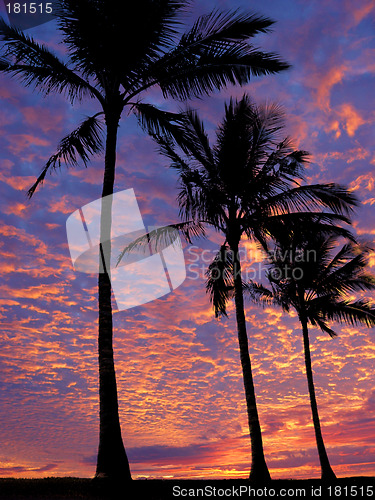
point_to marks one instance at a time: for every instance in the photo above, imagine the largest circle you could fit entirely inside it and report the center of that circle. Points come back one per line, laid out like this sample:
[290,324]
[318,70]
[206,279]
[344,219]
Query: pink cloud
[350,117]
[23,141]
[45,119]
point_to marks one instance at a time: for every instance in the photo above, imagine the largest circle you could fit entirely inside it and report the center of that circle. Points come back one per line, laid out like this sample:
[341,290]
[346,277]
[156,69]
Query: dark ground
[73,488]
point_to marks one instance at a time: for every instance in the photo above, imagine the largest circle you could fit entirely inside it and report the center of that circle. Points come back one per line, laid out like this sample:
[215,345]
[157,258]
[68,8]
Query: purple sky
[181,398]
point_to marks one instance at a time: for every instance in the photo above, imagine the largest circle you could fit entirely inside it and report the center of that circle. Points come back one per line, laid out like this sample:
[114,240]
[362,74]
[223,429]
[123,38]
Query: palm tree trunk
[259,470]
[327,472]
[112,461]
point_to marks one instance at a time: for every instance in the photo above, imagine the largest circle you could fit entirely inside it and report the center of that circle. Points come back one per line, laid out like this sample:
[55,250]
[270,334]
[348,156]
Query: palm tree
[306,277]
[116,67]
[243,186]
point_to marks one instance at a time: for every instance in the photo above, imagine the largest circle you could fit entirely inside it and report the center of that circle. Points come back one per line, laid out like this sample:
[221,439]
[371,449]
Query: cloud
[46,119]
[351,118]
[19,470]
[360,11]
[364,181]
[17,182]
[21,142]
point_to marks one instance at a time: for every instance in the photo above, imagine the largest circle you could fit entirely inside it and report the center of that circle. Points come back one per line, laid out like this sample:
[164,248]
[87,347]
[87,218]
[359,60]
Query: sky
[181,396]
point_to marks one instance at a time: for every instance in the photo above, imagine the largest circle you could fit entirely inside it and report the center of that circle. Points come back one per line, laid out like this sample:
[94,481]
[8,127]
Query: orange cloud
[325,82]
[65,205]
[369,201]
[365,181]
[43,291]
[17,182]
[16,209]
[334,126]
[359,12]
[351,118]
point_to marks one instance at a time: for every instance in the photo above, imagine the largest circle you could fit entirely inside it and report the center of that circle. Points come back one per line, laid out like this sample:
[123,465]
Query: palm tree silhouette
[304,275]
[116,66]
[245,185]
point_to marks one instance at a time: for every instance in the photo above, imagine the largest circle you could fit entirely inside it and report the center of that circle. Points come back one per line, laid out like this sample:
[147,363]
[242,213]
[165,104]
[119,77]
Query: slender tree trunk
[327,472]
[259,470]
[112,461]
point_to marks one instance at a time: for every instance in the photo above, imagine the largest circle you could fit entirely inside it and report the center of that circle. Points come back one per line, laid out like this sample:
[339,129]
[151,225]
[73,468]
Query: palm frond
[35,65]
[4,64]
[336,197]
[159,238]
[283,228]
[349,277]
[333,196]
[211,55]
[317,321]
[342,256]
[295,220]
[80,144]
[167,149]
[224,27]
[196,142]
[215,70]
[292,165]
[259,294]
[158,123]
[289,163]
[352,313]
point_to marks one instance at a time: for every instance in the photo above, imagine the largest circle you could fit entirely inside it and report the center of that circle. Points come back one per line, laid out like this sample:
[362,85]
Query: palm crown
[116,66]
[249,180]
[317,283]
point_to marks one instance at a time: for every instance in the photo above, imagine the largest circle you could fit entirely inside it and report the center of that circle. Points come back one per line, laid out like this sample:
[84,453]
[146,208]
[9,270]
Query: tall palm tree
[244,185]
[306,276]
[115,67]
